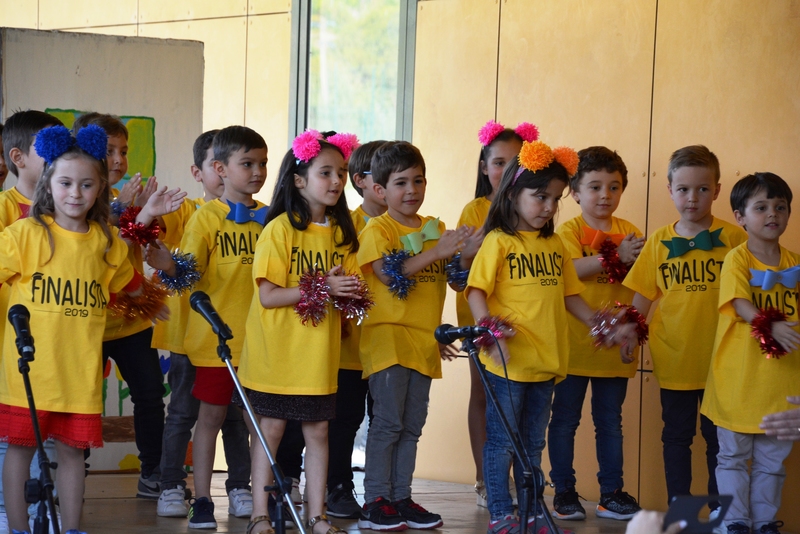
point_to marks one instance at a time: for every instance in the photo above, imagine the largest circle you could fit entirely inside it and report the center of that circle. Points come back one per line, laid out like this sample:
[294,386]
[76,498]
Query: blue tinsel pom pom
[455,274]
[52,142]
[400,285]
[186,274]
[93,140]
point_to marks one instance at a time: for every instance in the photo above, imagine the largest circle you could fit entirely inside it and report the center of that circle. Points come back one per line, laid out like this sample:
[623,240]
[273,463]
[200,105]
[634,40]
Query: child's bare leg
[209,422]
[260,468]
[16,470]
[316,462]
[71,483]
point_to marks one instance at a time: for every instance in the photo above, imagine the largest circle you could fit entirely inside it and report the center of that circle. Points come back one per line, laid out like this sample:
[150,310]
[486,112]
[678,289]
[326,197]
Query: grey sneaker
[617,505]
[567,506]
[149,486]
[342,503]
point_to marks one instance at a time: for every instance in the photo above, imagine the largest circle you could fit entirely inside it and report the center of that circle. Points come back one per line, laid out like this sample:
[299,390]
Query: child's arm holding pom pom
[782,332]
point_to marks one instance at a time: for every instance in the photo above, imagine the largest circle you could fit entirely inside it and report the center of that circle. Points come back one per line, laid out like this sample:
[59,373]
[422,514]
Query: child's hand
[130,190]
[448,352]
[341,285]
[451,241]
[147,191]
[494,352]
[648,522]
[630,248]
[162,202]
[785,334]
[163,313]
[472,243]
[158,256]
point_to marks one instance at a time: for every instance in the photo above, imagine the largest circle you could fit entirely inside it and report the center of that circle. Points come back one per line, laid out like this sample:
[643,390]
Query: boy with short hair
[597,187]
[221,236]
[743,384]
[3,167]
[681,264]
[353,389]
[400,356]
[183,407]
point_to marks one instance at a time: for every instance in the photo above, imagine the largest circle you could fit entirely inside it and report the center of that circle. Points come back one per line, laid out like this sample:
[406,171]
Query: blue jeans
[400,408]
[608,394]
[181,417]
[526,406]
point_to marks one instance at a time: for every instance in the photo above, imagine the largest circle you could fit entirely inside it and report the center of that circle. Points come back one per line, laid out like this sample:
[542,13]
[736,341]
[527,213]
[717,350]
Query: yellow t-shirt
[525,279]
[67,297]
[224,252]
[743,385]
[168,335]
[282,355]
[474,214]
[351,332]
[13,207]
[400,332]
[684,322]
[584,358]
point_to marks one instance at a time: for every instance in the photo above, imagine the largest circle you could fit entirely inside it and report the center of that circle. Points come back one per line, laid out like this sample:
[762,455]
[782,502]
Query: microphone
[19,316]
[201,303]
[447,333]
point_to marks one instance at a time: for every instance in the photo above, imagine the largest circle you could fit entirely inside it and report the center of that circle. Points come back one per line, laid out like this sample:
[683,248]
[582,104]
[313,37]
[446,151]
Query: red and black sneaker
[381,515]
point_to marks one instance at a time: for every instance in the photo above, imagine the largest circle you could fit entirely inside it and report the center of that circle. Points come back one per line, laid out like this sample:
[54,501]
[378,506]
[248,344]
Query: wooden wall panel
[17,14]
[55,14]
[160,11]
[267,85]
[454,95]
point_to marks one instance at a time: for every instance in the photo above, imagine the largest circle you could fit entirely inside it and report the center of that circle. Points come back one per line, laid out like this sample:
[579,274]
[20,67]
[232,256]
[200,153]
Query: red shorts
[77,430]
[213,385]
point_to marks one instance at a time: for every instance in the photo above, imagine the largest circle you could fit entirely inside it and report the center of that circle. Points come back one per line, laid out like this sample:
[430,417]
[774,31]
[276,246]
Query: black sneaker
[272,505]
[381,515]
[567,506]
[770,528]
[416,516]
[741,528]
[342,503]
[617,505]
[201,513]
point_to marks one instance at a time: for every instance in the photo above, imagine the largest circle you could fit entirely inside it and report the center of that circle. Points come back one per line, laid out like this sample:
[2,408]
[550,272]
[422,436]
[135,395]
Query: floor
[110,507]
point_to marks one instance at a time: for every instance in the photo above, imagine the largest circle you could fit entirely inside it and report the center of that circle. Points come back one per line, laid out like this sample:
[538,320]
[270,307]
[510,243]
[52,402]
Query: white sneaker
[512,489]
[297,497]
[714,514]
[171,503]
[480,498]
[240,503]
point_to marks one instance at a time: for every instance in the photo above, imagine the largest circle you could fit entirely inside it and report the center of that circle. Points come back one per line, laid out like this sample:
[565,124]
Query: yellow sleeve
[272,258]
[373,243]
[570,233]
[10,256]
[195,242]
[484,271]
[734,281]
[118,255]
[642,276]
[572,284]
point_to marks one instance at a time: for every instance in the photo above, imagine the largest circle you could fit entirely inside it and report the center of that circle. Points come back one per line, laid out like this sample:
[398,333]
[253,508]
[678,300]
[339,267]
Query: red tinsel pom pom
[147,305]
[761,329]
[499,328]
[607,320]
[137,232]
[612,264]
[314,297]
[353,308]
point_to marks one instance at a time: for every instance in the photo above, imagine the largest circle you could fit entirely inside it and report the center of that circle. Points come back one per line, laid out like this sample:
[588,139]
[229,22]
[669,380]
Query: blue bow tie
[241,214]
[767,279]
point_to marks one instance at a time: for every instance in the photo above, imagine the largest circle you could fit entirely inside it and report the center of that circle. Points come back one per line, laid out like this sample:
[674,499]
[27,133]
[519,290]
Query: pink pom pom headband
[527,131]
[306,145]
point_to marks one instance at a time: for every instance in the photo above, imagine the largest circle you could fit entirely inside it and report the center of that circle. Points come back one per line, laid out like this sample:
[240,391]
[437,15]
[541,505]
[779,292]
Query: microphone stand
[532,476]
[37,490]
[282,485]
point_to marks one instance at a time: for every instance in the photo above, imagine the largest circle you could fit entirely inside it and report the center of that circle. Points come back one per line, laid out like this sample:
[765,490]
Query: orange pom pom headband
[537,155]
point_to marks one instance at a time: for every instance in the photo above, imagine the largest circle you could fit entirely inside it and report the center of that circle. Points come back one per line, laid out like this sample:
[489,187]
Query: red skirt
[73,429]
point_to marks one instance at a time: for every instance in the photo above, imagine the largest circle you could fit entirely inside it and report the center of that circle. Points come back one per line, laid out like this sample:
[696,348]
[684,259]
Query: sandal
[256,520]
[332,529]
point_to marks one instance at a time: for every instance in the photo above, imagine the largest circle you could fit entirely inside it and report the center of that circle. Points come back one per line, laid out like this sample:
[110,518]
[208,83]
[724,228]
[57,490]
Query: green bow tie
[415,240]
[705,240]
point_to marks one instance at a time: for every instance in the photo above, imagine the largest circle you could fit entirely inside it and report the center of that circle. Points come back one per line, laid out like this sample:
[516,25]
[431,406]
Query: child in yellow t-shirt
[353,388]
[3,167]
[523,273]
[744,385]
[597,187]
[680,264]
[128,342]
[499,145]
[402,254]
[291,357]
[183,406]
[221,237]
[65,264]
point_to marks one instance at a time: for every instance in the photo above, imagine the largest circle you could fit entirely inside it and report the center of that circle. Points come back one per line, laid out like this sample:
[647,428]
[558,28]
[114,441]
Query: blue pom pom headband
[51,143]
